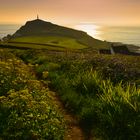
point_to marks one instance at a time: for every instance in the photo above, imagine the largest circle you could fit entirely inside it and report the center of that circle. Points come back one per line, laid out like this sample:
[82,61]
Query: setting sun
[89,28]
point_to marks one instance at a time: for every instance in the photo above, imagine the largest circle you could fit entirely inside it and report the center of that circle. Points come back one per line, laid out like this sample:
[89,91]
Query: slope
[42,32]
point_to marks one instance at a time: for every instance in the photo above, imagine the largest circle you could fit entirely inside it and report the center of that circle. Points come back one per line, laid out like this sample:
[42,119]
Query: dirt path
[74,132]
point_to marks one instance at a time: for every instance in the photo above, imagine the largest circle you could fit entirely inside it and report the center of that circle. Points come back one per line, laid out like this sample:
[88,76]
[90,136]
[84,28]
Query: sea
[128,35]
[6,29]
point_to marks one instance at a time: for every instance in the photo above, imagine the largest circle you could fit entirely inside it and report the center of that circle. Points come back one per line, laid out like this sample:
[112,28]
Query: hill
[41,33]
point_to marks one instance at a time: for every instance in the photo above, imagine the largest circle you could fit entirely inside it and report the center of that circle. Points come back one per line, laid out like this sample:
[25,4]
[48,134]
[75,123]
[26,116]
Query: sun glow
[89,28]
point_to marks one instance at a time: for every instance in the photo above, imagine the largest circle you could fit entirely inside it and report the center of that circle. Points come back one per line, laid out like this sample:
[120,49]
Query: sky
[107,12]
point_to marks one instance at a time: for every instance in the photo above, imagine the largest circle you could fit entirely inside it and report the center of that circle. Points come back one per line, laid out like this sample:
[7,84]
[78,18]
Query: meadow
[55,41]
[101,91]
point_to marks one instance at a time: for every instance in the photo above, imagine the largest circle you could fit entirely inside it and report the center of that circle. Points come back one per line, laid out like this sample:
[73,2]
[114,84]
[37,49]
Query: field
[56,43]
[101,91]
[49,42]
[33,46]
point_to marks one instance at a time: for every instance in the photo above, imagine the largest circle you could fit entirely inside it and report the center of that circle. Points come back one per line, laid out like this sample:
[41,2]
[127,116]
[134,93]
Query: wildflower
[2,98]
[7,67]
[10,60]
[45,74]
[36,65]
[30,65]
[2,81]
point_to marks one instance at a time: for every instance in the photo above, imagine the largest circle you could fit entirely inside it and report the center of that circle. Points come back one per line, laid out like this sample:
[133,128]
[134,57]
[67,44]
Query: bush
[46,67]
[29,115]
[120,113]
[13,75]
[112,111]
[27,110]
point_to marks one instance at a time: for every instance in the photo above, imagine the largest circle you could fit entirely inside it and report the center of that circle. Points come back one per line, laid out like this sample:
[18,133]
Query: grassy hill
[40,34]
[50,42]
[54,43]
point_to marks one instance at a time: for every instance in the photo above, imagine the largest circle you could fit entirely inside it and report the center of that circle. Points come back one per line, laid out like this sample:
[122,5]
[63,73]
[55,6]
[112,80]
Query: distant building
[119,49]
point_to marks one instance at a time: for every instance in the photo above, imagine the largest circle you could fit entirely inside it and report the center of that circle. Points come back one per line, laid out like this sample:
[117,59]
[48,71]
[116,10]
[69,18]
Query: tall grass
[120,113]
[99,90]
[112,111]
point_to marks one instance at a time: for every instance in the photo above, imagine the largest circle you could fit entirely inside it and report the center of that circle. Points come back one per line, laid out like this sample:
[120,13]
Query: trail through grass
[101,91]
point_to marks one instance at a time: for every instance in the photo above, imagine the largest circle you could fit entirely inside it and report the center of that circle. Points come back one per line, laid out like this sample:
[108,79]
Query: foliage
[13,75]
[105,102]
[29,115]
[113,111]
[101,90]
[120,113]
[27,110]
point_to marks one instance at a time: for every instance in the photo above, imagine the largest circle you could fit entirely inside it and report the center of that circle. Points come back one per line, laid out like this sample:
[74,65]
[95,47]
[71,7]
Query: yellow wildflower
[2,81]
[45,74]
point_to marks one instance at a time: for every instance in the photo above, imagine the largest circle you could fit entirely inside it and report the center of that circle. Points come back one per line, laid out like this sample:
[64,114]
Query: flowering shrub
[26,108]
[45,74]
[13,74]
[29,115]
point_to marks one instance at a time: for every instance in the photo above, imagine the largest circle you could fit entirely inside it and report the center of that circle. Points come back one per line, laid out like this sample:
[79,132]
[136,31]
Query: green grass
[60,43]
[111,111]
[102,91]
[34,46]
[56,41]
[27,110]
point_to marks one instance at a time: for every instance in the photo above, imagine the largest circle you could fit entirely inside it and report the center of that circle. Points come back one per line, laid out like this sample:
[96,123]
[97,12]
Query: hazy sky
[110,12]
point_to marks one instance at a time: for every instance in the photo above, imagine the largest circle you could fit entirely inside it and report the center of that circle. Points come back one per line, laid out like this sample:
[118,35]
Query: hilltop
[40,27]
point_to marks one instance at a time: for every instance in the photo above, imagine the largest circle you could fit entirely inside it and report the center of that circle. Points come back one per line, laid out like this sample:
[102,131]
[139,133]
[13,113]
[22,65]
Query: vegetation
[26,107]
[56,41]
[32,46]
[112,110]
[102,91]
[37,28]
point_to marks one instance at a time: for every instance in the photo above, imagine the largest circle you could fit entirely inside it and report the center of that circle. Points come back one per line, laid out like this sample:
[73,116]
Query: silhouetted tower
[37,17]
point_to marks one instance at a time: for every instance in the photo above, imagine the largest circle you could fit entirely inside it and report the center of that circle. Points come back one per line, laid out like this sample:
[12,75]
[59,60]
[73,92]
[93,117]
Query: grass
[56,41]
[59,43]
[111,111]
[102,91]
[34,46]
[27,110]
